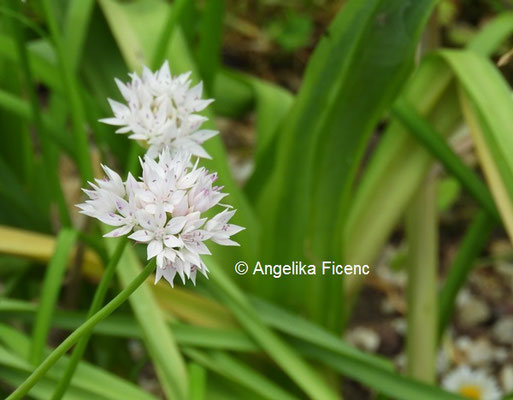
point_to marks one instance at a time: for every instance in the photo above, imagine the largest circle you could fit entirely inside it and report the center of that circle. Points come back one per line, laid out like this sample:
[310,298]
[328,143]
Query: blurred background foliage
[346,135]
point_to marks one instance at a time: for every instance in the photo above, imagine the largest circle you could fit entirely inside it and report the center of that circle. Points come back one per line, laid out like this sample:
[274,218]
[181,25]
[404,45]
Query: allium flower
[161,111]
[164,210]
[472,384]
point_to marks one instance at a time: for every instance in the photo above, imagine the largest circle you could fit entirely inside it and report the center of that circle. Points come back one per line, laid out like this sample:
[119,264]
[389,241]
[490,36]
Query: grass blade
[76,22]
[300,372]
[86,327]
[433,141]
[389,383]
[323,137]
[73,95]
[208,52]
[158,338]
[174,16]
[399,165]
[49,154]
[396,170]
[50,292]
[14,242]
[96,304]
[197,382]
[471,246]
[339,59]
[89,378]
[239,372]
[487,102]
[21,108]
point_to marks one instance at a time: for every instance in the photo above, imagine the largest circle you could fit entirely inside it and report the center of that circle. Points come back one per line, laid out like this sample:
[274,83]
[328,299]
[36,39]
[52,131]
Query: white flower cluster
[165,207]
[161,112]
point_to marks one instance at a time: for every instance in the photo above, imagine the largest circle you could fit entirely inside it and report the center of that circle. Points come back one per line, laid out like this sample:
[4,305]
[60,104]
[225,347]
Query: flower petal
[119,231]
[172,241]
[142,235]
[175,225]
[154,248]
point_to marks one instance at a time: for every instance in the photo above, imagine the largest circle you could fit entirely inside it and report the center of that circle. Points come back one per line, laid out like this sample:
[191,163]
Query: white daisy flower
[161,110]
[472,384]
[164,210]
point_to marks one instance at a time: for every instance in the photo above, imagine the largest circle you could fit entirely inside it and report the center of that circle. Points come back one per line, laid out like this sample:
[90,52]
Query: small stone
[363,338]
[501,355]
[472,311]
[400,361]
[477,352]
[442,362]
[399,325]
[503,330]
[506,378]
[387,307]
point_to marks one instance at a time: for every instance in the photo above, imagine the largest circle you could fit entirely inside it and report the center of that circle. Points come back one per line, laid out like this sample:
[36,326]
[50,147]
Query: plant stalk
[97,302]
[421,227]
[82,330]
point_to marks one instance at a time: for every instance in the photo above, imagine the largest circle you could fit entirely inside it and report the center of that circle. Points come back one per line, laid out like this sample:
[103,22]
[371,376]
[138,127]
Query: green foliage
[291,32]
[318,191]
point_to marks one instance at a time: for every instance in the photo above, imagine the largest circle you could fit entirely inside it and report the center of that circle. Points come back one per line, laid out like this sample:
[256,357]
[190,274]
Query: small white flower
[161,111]
[107,203]
[472,384]
[164,211]
[159,233]
[221,230]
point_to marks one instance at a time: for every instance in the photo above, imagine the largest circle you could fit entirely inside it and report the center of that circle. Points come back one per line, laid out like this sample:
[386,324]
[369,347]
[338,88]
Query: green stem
[302,373]
[82,330]
[21,108]
[433,141]
[72,92]
[50,293]
[197,381]
[175,13]
[473,243]
[208,53]
[97,302]
[135,151]
[422,283]
[47,148]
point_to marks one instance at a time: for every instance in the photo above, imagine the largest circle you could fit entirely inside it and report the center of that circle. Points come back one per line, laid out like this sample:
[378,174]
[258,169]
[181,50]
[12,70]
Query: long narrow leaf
[487,102]
[158,337]
[231,368]
[398,166]
[88,377]
[49,292]
[433,141]
[473,243]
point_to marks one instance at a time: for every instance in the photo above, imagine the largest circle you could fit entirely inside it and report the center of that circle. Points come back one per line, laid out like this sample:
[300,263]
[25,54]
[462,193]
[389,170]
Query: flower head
[161,110]
[164,210]
[472,384]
